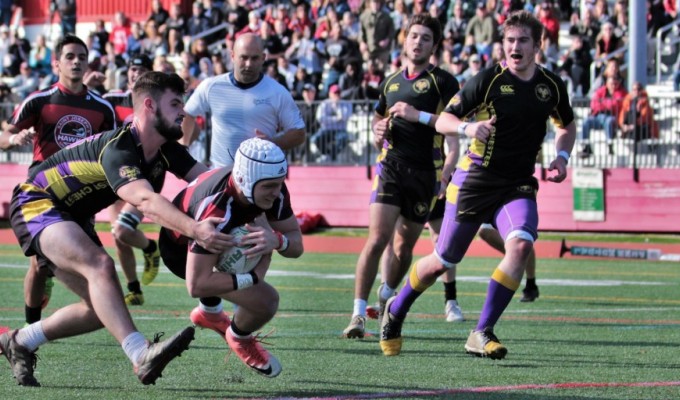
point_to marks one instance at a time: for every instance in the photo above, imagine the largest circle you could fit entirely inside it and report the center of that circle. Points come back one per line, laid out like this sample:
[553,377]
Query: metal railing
[356,145]
[660,45]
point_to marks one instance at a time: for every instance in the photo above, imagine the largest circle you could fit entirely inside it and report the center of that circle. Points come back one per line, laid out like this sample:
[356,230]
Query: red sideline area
[353,245]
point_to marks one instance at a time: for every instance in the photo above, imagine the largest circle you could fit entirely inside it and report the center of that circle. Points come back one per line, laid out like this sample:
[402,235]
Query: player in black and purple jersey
[52,119]
[494,181]
[409,169]
[52,216]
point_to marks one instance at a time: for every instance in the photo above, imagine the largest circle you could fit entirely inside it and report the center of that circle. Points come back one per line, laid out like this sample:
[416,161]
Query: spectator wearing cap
[458,67]
[475,65]
[484,28]
[332,115]
[300,80]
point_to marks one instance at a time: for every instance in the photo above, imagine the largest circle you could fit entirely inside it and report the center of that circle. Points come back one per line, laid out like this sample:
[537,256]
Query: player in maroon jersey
[52,119]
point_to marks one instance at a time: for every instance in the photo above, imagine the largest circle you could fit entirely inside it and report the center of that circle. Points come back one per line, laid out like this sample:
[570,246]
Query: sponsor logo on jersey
[543,92]
[455,100]
[131,173]
[70,129]
[421,85]
[525,189]
[507,89]
[262,102]
[393,87]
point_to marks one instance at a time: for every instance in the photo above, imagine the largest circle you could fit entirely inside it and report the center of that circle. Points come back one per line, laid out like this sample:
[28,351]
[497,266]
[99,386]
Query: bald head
[248,57]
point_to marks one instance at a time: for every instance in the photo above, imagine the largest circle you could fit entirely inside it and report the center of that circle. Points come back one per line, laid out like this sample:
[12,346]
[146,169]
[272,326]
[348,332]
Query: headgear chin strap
[256,160]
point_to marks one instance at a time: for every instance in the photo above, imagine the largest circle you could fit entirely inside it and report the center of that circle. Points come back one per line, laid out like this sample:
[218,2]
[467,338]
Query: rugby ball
[233,261]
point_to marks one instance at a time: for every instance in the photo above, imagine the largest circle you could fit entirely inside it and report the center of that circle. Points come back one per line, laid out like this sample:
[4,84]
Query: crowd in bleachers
[353,44]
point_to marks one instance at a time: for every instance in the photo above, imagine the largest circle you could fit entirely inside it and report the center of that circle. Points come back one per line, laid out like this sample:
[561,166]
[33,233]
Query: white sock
[231,332]
[359,307]
[134,345]
[31,337]
[386,292]
[211,310]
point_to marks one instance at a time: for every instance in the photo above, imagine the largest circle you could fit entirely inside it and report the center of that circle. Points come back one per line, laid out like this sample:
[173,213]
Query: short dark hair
[523,18]
[429,22]
[156,83]
[68,39]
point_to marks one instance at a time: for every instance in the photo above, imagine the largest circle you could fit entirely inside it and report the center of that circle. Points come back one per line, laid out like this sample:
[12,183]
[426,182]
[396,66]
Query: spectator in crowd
[370,85]
[301,19]
[455,29]
[152,40]
[586,27]
[99,37]
[25,83]
[5,42]
[66,9]
[19,51]
[350,81]
[605,106]
[332,116]
[177,20]
[212,13]
[325,24]
[40,58]
[400,15]
[601,11]
[6,11]
[134,40]
[484,28]
[287,70]
[377,32]
[159,15]
[576,62]
[551,24]
[120,33]
[236,15]
[197,23]
[497,55]
[636,117]
[282,32]
[350,26]
[475,65]
[199,49]
[305,52]
[308,107]
[174,45]
[607,43]
[612,68]
[273,47]
[301,80]
[458,67]
[339,51]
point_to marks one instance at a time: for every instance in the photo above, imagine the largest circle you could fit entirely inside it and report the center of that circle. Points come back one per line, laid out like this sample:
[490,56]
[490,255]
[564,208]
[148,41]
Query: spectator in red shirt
[120,32]
[605,106]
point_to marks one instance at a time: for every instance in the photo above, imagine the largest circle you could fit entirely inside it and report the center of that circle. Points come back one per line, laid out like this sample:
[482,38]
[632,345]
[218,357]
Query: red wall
[36,11]
[341,195]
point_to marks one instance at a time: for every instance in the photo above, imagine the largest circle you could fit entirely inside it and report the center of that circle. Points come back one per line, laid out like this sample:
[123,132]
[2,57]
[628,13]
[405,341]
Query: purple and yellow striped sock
[412,289]
[499,294]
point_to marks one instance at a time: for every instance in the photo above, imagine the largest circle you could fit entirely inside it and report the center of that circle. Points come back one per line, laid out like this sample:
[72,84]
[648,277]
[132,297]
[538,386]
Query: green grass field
[604,329]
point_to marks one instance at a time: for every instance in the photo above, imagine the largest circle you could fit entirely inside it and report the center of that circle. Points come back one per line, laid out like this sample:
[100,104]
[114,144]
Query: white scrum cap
[256,160]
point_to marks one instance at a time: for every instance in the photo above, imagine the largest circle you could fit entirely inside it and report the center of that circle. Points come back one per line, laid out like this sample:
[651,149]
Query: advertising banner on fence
[588,184]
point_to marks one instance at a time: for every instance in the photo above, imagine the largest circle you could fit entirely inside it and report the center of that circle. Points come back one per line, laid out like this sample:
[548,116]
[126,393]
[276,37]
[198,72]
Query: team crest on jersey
[131,173]
[455,100]
[157,171]
[525,189]
[70,129]
[421,85]
[421,209]
[543,92]
[393,88]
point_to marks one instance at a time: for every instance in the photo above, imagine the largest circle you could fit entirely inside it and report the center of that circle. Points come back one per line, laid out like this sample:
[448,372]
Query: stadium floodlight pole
[609,252]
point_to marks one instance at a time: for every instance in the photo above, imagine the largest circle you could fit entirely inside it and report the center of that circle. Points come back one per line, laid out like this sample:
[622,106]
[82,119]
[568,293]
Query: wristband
[11,139]
[243,281]
[461,128]
[424,117]
[564,155]
[283,241]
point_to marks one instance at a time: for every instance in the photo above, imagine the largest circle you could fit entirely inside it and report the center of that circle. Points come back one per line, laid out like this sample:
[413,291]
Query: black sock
[531,283]
[450,290]
[134,287]
[238,331]
[210,301]
[32,314]
[151,247]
